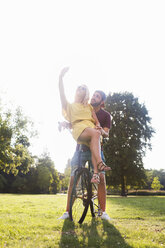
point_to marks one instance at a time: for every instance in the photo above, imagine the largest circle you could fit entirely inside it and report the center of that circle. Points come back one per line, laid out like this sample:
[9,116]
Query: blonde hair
[86,97]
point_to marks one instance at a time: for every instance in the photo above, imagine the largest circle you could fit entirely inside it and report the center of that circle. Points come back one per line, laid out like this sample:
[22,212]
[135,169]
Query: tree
[161,175]
[3,183]
[6,155]
[47,179]
[128,140]
[66,176]
[19,185]
[43,179]
[14,142]
[156,184]
[155,173]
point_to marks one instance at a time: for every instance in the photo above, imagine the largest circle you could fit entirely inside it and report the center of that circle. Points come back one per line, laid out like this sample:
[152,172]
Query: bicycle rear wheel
[81,195]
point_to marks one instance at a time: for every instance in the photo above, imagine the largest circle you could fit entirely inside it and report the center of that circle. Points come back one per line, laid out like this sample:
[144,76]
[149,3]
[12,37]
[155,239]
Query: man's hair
[103,95]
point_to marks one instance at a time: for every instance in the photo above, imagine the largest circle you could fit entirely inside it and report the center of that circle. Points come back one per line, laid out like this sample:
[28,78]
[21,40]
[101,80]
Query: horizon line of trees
[154,179]
[43,178]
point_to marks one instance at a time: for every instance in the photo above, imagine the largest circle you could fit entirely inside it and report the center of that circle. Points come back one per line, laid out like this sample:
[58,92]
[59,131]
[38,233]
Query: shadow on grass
[113,236]
[95,234]
[68,235]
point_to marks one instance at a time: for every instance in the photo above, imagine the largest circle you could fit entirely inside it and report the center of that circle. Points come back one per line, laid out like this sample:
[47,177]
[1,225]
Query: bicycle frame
[85,192]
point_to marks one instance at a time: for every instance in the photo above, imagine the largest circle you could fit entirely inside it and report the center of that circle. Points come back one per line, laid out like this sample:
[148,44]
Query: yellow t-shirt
[80,117]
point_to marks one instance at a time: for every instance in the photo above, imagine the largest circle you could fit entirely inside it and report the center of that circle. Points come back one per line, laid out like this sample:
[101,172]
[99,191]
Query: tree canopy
[14,142]
[129,138]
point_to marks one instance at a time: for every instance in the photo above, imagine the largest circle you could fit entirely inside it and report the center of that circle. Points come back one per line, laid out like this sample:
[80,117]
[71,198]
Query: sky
[115,46]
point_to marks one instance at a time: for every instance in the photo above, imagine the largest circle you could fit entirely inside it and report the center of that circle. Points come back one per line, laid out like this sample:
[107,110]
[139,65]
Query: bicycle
[83,195]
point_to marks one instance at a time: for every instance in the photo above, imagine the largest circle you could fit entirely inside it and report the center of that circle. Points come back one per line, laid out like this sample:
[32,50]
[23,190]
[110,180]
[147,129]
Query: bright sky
[114,46]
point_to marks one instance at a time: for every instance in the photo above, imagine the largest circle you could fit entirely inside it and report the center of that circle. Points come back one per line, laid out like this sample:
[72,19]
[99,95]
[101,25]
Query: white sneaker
[64,216]
[105,216]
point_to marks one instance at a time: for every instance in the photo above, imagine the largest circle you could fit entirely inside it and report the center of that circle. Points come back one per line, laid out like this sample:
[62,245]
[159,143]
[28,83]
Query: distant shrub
[147,192]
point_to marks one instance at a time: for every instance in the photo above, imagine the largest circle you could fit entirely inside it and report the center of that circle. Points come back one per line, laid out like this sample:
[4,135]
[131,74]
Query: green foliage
[156,184]
[52,176]
[6,154]
[40,178]
[3,183]
[128,140]
[43,179]
[146,193]
[66,176]
[155,173]
[18,171]
[14,142]
[19,185]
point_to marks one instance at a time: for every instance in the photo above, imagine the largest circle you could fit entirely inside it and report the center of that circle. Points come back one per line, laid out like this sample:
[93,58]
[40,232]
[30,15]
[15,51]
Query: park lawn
[32,221]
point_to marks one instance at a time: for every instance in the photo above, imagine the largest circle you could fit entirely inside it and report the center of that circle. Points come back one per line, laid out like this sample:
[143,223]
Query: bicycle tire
[81,195]
[92,203]
[92,209]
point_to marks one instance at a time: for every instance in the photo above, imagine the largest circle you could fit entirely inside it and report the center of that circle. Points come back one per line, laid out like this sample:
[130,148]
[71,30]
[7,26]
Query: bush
[147,192]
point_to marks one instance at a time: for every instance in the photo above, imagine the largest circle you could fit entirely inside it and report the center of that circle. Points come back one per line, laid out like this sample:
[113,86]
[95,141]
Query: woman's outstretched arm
[61,87]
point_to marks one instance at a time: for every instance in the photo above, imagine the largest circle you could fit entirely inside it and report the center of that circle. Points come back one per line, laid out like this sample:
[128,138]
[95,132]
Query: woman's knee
[89,133]
[96,133]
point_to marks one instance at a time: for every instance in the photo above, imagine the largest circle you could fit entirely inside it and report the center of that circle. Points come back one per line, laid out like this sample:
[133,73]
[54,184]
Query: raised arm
[61,87]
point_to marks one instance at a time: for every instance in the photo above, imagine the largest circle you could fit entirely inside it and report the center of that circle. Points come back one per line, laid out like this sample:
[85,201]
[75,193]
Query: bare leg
[66,214]
[102,192]
[69,192]
[93,137]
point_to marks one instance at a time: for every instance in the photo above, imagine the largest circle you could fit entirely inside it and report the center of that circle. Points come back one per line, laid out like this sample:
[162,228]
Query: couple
[89,122]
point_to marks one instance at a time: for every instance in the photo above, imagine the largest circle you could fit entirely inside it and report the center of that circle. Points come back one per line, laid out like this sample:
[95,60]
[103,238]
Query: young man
[104,118]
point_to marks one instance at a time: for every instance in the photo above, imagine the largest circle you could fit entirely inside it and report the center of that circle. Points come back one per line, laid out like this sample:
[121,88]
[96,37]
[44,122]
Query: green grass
[31,221]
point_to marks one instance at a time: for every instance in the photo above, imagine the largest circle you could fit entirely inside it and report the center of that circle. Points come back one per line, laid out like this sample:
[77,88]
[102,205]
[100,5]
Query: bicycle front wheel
[81,195]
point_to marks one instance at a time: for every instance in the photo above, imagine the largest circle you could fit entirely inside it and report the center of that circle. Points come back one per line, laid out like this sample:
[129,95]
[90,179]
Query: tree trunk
[123,193]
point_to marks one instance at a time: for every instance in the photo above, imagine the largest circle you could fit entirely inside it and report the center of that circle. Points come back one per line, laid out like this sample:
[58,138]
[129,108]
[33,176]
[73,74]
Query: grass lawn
[31,221]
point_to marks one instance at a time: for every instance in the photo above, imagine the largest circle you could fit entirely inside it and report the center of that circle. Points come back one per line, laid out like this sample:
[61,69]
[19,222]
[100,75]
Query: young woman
[84,123]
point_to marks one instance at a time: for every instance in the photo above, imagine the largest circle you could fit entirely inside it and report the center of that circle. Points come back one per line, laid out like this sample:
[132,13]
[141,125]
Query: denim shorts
[81,158]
